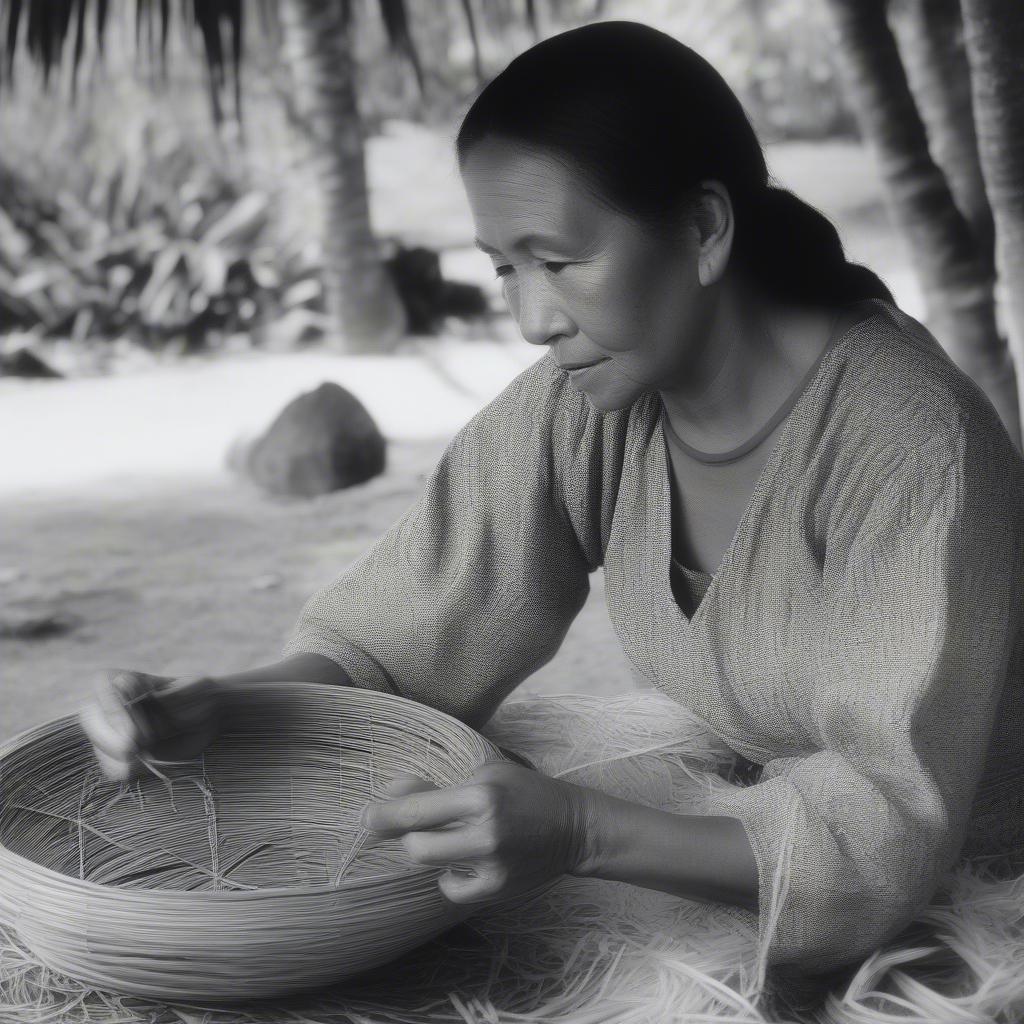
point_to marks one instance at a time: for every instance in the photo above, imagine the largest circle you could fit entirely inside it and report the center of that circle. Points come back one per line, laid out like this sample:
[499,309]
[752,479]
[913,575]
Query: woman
[811,525]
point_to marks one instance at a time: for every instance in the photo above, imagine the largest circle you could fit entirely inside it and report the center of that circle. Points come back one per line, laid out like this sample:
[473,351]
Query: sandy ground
[116,510]
[210,578]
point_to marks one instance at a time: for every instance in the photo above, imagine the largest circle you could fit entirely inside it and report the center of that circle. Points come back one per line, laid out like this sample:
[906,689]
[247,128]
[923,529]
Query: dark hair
[642,119]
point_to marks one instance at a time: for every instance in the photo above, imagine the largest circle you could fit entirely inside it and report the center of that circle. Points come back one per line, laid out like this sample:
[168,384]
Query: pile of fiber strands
[590,951]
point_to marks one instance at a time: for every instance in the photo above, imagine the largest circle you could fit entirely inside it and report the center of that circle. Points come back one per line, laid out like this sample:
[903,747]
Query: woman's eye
[551,266]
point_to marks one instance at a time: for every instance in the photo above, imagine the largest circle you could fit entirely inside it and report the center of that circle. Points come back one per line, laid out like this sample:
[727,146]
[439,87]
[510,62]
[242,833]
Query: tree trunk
[994,36]
[360,295]
[931,41]
[958,286]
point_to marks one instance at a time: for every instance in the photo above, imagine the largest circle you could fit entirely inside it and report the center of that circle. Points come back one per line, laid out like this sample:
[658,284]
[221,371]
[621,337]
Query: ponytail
[793,251]
[643,118]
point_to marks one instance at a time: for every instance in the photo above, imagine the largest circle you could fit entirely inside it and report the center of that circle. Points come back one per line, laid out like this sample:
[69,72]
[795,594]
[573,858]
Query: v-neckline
[664,520]
[659,451]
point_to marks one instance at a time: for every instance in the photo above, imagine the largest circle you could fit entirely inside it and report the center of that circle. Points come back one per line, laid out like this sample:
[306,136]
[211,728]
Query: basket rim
[86,887]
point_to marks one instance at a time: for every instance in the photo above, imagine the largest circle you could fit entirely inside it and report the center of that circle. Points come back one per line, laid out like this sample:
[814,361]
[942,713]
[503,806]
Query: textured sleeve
[476,585]
[852,840]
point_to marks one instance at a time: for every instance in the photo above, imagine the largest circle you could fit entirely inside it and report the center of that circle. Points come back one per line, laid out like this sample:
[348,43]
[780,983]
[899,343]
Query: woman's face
[592,284]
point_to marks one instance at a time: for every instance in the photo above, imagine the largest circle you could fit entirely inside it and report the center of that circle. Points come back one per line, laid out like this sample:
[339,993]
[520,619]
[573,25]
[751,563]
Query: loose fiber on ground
[581,951]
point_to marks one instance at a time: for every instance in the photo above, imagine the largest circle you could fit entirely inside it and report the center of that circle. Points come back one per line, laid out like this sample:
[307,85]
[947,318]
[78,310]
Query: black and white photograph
[511,512]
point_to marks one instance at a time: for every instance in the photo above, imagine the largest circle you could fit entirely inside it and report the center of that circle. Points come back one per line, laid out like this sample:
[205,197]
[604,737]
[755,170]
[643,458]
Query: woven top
[689,585]
[862,637]
[767,428]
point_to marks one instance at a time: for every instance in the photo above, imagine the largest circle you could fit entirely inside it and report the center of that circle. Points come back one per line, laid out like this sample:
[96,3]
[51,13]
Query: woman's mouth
[577,370]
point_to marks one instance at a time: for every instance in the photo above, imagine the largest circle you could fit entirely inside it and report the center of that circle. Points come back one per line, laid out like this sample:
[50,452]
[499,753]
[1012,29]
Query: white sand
[177,421]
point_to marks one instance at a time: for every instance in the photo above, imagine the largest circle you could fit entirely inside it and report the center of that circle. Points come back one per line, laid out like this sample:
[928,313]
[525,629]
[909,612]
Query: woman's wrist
[691,855]
[588,821]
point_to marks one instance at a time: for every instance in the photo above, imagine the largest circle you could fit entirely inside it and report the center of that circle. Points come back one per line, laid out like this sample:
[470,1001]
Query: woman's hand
[511,827]
[134,715]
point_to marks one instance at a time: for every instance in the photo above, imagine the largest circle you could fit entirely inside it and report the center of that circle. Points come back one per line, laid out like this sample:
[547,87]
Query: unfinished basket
[243,873]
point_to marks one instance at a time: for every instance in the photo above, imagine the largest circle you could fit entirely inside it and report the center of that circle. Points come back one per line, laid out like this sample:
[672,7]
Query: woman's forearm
[300,668]
[703,857]
[691,855]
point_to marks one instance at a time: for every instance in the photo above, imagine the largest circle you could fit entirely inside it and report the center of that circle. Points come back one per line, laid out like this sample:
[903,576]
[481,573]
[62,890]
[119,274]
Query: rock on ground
[322,441]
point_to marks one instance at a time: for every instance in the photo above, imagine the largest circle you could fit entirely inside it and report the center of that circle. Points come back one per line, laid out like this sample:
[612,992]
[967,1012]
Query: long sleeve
[476,585]
[921,623]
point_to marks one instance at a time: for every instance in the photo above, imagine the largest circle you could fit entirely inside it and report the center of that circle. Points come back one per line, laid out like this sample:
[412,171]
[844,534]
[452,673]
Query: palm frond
[396,24]
[13,20]
[530,10]
[218,21]
[269,21]
[101,24]
[467,9]
[40,29]
[79,49]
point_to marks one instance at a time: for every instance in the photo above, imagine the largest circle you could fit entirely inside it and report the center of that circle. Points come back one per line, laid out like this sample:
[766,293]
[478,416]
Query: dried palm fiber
[588,950]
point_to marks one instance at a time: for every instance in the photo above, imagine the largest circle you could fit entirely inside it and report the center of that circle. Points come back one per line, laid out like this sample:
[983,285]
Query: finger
[446,846]
[103,736]
[129,686]
[112,694]
[186,706]
[478,887]
[160,709]
[114,769]
[147,719]
[405,783]
[419,810]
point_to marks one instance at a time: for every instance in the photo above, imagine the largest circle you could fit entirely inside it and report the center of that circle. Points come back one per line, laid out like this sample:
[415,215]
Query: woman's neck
[752,358]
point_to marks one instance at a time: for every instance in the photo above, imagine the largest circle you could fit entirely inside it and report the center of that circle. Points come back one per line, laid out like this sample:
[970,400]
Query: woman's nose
[541,319]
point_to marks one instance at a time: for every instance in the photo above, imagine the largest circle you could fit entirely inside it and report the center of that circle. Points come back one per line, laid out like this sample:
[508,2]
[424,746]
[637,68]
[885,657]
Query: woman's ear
[714,219]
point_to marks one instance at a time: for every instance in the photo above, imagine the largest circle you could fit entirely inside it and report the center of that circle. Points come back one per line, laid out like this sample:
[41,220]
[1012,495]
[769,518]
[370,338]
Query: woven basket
[241,874]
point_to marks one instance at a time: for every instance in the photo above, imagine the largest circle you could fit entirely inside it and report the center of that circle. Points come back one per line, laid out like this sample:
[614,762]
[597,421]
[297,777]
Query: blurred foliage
[791,85]
[125,213]
[165,246]
[776,54]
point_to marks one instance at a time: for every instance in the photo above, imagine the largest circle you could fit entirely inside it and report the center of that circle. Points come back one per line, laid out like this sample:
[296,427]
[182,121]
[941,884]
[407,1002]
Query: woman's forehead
[513,190]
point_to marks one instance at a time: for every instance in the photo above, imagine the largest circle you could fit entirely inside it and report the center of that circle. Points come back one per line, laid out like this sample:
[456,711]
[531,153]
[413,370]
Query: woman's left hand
[513,828]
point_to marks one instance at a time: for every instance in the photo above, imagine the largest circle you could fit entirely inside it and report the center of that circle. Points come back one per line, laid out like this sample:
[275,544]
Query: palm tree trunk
[958,286]
[994,36]
[360,294]
[930,35]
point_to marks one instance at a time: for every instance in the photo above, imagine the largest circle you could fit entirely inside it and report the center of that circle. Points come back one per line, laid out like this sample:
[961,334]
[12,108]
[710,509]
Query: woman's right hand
[134,715]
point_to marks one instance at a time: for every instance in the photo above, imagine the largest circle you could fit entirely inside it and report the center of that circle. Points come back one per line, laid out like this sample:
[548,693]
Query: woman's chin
[611,399]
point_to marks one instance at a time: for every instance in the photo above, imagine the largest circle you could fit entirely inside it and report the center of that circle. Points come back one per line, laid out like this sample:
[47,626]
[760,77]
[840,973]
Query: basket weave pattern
[243,873]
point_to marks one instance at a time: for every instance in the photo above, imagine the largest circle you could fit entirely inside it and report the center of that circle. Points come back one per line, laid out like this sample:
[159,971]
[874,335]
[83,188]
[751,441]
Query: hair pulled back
[642,118]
